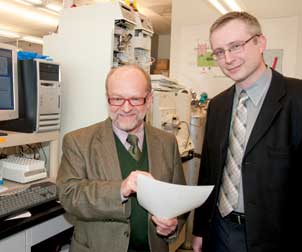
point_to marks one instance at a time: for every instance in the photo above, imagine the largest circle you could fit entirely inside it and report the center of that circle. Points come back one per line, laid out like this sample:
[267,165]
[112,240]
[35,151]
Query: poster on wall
[273,58]
[196,69]
[204,56]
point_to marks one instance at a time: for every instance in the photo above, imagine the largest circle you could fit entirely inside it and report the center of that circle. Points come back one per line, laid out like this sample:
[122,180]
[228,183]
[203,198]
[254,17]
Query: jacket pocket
[78,247]
[277,169]
[278,153]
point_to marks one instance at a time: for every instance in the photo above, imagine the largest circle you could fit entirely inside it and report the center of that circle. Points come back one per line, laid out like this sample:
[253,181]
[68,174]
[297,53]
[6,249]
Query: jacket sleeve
[86,199]
[178,178]
[202,214]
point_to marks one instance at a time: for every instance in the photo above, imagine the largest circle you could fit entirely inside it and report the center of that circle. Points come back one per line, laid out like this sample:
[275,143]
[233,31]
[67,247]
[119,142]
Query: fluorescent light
[218,6]
[48,11]
[232,5]
[9,34]
[32,39]
[40,4]
[30,15]
[34,1]
[22,2]
[54,7]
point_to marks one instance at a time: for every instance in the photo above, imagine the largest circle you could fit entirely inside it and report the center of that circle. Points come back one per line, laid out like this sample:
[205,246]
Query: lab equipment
[171,110]
[23,170]
[107,35]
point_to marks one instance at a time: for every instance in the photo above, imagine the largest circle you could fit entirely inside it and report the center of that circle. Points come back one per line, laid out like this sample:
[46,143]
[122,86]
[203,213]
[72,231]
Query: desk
[46,220]
[22,234]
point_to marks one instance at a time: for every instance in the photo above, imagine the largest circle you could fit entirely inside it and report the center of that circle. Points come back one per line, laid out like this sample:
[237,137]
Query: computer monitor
[8,83]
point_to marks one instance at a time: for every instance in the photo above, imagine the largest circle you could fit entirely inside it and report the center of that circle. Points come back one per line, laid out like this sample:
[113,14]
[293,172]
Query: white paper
[165,200]
[19,216]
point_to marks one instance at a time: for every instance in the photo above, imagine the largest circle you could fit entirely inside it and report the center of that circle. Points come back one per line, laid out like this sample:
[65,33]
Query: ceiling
[159,11]
[12,20]
[272,8]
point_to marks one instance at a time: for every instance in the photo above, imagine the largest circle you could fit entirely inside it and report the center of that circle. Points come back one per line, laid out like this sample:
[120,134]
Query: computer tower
[39,97]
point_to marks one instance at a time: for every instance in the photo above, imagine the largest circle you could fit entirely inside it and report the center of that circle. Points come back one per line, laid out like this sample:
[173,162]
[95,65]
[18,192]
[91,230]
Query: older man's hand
[129,184]
[165,227]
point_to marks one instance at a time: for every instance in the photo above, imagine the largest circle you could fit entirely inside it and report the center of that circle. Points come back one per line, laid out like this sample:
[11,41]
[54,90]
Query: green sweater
[139,216]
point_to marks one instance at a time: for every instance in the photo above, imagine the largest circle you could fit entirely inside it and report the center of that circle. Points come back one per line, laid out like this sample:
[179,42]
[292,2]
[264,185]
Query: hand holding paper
[129,184]
[165,226]
[167,200]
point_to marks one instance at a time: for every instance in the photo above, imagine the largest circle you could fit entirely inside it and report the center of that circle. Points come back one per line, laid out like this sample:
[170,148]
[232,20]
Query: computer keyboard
[20,200]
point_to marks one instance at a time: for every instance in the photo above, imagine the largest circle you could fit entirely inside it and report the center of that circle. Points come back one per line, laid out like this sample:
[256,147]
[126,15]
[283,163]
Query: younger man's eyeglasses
[236,47]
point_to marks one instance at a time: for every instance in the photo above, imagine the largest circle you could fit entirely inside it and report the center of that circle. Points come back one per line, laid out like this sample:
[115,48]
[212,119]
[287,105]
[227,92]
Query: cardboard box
[162,64]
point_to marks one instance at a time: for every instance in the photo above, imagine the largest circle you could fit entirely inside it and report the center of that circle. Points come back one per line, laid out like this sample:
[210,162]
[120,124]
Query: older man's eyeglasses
[135,101]
[235,47]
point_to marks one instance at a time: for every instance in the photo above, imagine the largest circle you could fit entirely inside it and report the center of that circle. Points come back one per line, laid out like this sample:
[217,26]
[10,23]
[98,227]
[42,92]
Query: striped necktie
[228,196]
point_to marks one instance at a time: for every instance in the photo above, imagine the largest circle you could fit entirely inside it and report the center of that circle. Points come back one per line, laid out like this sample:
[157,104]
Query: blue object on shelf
[23,55]
[203,98]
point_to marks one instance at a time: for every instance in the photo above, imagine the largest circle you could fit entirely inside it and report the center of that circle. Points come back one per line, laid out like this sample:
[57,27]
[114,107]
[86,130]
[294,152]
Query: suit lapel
[106,152]
[270,108]
[224,116]
[154,152]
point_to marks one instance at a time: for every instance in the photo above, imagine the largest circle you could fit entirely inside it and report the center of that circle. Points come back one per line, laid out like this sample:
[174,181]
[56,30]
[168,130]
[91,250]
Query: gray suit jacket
[89,181]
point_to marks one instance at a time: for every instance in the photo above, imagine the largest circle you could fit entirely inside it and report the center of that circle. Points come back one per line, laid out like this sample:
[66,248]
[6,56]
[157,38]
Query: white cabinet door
[47,229]
[14,243]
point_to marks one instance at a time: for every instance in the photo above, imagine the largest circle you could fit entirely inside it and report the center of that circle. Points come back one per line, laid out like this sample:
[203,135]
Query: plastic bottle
[1,175]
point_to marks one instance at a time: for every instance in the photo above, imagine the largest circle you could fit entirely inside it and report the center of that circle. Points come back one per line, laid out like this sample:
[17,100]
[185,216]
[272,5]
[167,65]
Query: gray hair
[130,66]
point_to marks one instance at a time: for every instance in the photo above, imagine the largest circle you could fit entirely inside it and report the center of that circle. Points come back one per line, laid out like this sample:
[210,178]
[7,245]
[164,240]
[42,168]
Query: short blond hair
[250,20]
[130,66]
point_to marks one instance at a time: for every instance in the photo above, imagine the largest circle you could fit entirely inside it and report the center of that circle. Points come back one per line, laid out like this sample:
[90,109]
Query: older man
[97,179]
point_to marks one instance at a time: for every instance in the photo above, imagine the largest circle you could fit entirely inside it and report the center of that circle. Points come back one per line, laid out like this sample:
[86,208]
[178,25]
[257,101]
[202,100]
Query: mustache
[126,114]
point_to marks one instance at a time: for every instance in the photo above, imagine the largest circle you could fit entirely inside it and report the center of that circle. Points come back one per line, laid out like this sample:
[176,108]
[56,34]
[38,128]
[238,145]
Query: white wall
[282,33]
[191,27]
[27,46]
[188,26]
[164,45]
[299,51]
[30,47]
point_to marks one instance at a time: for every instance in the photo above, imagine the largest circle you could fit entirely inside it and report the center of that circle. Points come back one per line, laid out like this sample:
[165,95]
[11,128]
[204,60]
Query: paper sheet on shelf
[167,200]
[19,216]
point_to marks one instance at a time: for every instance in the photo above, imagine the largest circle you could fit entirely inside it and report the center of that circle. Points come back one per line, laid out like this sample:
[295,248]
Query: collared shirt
[256,93]
[122,136]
